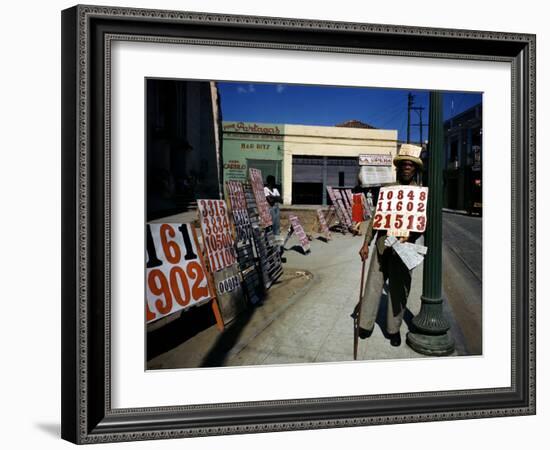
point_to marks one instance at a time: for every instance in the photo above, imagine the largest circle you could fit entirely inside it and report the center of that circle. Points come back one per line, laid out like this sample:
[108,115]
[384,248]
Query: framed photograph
[283,224]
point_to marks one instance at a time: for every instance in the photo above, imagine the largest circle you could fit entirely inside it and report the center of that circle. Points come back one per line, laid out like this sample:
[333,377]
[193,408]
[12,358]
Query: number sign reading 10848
[401,209]
[216,233]
[176,278]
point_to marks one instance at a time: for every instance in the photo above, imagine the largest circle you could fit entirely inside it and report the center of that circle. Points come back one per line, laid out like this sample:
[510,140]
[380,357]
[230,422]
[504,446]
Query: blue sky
[327,105]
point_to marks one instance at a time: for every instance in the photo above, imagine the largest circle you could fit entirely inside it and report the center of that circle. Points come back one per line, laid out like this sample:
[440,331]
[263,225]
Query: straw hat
[409,152]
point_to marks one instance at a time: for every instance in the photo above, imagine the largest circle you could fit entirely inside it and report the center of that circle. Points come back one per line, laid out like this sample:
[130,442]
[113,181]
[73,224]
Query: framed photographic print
[268,222]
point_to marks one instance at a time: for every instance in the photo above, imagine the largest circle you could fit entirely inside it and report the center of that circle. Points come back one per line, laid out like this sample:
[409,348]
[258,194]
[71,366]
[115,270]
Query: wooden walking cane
[357,317]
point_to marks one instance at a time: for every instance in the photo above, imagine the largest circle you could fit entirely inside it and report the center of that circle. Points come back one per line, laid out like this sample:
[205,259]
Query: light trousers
[382,268]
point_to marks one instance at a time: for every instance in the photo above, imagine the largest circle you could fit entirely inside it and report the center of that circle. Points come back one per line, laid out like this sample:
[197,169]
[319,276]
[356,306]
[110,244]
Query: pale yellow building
[303,159]
[333,150]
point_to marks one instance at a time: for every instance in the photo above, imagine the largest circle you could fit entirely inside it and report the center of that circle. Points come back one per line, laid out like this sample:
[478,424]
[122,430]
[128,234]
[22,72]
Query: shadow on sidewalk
[227,339]
[179,331]
[297,249]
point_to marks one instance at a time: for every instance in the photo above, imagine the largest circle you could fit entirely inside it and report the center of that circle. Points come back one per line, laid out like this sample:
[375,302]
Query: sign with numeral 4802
[401,209]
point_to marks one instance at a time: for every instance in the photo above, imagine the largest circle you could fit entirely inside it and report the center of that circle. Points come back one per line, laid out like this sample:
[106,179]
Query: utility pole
[431,329]
[419,110]
[409,106]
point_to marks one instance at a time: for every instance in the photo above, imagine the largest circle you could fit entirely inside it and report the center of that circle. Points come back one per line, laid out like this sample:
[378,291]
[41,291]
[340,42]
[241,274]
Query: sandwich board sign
[401,210]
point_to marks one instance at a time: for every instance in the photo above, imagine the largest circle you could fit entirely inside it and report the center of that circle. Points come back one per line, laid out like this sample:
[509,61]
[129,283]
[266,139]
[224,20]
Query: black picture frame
[87,415]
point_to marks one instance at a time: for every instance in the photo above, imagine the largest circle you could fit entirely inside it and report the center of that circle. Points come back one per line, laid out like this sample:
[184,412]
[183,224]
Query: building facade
[303,159]
[463,155]
[183,145]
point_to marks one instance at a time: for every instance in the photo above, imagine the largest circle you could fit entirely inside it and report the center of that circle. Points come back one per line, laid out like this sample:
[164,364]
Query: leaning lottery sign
[401,209]
[237,200]
[323,227]
[259,195]
[176,276]
[216,234]
[299,231]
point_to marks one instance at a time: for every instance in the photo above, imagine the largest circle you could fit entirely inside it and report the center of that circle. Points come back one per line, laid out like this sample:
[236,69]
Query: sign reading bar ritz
[401,209]
[176,277]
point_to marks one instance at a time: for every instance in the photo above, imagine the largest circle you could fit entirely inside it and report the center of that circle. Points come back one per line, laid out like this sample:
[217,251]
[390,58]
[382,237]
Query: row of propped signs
[229,264]
[400,210]
[347,210]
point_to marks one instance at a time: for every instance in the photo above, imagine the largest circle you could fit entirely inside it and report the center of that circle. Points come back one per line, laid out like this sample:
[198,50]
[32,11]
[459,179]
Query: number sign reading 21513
[176,278]
[216,233]
[401,209]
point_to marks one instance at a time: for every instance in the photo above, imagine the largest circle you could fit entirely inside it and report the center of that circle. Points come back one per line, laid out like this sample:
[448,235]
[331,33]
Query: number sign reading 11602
[216,234]
[401,209]
[176,277]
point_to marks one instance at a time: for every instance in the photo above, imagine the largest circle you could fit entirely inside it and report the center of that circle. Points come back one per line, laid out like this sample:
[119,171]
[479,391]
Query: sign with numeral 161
[401,209]
[176,276]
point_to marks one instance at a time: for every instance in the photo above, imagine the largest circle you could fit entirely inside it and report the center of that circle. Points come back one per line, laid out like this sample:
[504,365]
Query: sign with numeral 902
[401,209]
[176,277]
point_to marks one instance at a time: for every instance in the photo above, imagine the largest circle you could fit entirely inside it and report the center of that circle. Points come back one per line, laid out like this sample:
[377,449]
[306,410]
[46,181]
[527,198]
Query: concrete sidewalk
[305,318]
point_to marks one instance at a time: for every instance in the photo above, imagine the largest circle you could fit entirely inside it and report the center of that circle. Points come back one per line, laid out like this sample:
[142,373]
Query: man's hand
[364,252]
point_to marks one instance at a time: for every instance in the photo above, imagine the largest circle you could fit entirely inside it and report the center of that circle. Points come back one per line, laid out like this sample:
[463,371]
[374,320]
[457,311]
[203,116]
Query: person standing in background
[273,198]
[357,212]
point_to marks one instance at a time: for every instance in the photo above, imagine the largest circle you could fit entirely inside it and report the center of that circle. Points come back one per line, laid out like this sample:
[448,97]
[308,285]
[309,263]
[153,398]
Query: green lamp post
[430,335]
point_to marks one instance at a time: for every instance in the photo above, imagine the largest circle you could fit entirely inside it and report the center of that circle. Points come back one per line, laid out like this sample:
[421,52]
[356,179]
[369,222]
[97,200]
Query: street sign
[376,170]
[375,160]
[176,276]
[257,184]
[401,209]
[216,234]
[376,175]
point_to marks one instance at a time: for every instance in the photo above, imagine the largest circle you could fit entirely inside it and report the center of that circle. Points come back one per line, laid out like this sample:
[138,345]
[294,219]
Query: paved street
[309,323]
[462,262]
[306,316]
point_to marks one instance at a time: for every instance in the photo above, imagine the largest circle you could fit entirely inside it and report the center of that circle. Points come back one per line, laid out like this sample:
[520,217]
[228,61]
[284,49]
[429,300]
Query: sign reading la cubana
[250,127]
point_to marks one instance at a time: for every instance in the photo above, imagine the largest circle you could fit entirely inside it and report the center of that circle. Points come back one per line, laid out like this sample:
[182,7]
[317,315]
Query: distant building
[463,156]
[355,124]
[303,159]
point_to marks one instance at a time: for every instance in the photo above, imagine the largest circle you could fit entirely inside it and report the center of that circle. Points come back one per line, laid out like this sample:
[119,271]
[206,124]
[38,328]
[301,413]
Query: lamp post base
[431,345]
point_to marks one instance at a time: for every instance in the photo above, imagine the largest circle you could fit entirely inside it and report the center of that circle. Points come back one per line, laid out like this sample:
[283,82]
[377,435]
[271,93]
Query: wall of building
[341,142]
[273,148]
[182,145]
[463,157]
[246,144]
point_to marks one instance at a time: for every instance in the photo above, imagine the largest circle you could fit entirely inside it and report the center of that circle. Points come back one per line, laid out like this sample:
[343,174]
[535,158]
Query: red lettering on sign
[158,285]
[170,248]
[398,221]
[177,279]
